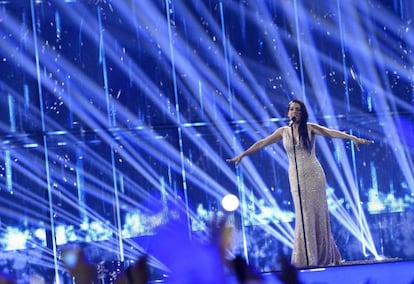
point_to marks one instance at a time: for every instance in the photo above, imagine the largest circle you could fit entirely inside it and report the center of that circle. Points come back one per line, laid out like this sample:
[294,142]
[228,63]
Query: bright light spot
[230,202]
[15,239]
[380,257]
[40,234]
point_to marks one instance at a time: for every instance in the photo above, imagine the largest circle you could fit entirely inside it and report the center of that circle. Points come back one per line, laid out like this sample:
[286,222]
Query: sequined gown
[321,246]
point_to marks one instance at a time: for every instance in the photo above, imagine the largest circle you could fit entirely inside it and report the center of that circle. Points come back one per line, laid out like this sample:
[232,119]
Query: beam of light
[182,59]
[375,83]
[299,43]
[49,189]
[97,196]
[74,202]
[37,200]
[80,181]
[9,173]
[313,64]
[313,67]
[325,102]
[203,84]
[177,109]
[226,59]
[111,123]
[270,199]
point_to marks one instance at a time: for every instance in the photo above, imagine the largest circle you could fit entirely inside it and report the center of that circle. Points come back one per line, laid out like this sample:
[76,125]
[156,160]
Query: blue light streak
[46,155]
[127,131]
[227,61]
[177,109]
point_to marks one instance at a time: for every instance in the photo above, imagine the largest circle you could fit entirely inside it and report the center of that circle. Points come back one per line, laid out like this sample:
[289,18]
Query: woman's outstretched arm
[258,145]
[325,131]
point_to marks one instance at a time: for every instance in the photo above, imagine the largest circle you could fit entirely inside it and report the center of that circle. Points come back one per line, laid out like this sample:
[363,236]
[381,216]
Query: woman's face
[294,111]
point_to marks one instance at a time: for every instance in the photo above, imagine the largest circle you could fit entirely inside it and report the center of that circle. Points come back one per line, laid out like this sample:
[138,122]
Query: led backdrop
[117,116]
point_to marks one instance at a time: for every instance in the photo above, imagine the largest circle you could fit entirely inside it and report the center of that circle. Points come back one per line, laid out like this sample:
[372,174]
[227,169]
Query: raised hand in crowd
[137,273]
[76,262]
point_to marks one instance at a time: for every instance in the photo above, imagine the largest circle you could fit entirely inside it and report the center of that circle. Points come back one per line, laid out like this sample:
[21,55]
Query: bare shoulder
[315,128]
[278,133]
[280,130]
[312,126]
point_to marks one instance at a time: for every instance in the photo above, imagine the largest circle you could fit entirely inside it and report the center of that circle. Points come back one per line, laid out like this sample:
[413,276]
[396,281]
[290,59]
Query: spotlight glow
[230,202]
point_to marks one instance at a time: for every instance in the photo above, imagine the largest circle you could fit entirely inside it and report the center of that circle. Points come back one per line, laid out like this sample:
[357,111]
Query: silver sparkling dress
[321,247]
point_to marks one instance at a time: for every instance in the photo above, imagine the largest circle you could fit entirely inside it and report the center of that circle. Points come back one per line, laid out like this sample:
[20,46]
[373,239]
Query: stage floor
[363,272]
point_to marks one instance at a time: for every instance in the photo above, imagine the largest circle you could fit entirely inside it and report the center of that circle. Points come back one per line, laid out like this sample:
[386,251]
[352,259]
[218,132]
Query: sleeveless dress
[313,206]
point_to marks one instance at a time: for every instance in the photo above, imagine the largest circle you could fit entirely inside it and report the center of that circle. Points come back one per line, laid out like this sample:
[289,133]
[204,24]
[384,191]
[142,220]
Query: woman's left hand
[357,141]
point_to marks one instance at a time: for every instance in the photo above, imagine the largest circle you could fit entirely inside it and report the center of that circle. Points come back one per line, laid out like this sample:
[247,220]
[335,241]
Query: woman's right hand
[236,159]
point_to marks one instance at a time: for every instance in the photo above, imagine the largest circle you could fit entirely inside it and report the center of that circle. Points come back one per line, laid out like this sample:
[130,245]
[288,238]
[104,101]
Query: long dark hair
[303,127]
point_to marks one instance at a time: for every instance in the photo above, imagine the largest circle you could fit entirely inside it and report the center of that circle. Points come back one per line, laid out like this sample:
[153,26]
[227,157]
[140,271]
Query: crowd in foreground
[189,262]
